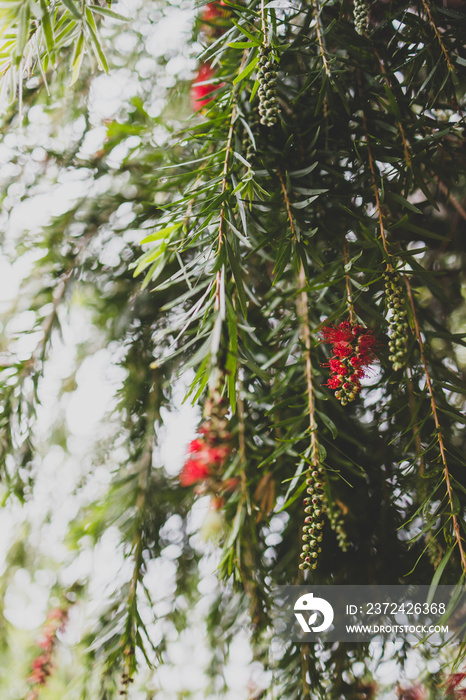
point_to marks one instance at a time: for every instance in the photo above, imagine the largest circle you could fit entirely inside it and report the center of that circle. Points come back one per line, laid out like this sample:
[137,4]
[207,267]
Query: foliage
[254,237]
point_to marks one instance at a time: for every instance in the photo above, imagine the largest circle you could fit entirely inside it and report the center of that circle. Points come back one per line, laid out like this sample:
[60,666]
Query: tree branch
[433,404]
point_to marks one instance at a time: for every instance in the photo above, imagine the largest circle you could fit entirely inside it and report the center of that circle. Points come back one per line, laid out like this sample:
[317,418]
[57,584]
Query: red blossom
[354,347]
[199,90]
[194,470]
[212,10]
[218,454]
[57,614]
[452,684]
[337,366]
[342,349]
[195,446]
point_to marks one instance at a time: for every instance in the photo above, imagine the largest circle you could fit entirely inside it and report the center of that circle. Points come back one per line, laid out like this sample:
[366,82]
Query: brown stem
[264,24]
[374,186]
[304,669]
[416,430]
[461,211]
[441,445]
[226,165]
[398,122]
[221,231]
[348,285]
[437,34]
[242,441]
[320,39]
[302,307]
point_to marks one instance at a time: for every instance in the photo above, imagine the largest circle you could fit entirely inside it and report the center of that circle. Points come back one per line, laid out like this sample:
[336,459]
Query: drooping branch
[349,297]
[438,429]
[375,187]
[437,34]
[398,121]
[320,38]
[302,307]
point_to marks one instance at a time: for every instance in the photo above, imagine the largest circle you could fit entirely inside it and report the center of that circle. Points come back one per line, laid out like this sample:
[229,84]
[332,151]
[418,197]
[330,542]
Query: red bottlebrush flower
[354,347]
[342,349]
[46,641]
[194,470]
[199,90]
[212,10]
[218,454]
[195,446]
[452,684]
[42,666]
[337,366]
[40,661]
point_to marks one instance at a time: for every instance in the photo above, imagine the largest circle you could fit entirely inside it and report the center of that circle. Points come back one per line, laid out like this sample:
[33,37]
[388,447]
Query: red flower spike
[212,10]
[194,471]
[199,91]
[354,347]
[42,666]
[452,684]
[195,446]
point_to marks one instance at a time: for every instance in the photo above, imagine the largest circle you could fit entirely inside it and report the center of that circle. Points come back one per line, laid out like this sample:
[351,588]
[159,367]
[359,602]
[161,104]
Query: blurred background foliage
[255,237]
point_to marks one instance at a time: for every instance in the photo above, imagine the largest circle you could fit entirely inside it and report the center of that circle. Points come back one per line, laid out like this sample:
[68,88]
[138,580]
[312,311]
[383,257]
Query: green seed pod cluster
[337,524]
[361,15]
[267,77]
[314,508]
[398,325]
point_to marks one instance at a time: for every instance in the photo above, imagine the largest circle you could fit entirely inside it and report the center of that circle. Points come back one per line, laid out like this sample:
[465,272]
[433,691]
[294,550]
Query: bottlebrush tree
[276,223]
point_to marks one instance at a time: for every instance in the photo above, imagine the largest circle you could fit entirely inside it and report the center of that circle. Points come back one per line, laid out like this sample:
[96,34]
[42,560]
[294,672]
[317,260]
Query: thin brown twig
[226,165]
[348,284]
[374,185]
[304,669]
[302,307]
[320,39]
[416,429]
[265,40]
[221,231]
[437,34]
[441,444]
[398,121]
[444,189]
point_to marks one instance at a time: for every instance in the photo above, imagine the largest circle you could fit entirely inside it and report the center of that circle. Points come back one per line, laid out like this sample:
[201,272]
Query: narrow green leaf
[48,30]
[303,171]
[162,233]
[245,32]
[438,574]
[403,201]
[243,44]
[71,6]
[328,422]
[77,58]
[23,32]
[96,44]
[237,274]
[247,71]
[109,13]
